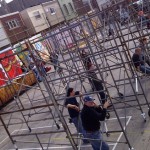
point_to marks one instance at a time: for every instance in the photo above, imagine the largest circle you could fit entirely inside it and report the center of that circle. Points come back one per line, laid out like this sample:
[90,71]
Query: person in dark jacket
[33,67]
[144,55]
[85,58]
[110,32]
[148,22]
[74,110]
[96,83]
[138,63]
[91,115]
[54,59]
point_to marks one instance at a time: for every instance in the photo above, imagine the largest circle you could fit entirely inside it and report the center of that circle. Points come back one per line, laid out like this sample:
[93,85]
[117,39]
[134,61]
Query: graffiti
[9,67]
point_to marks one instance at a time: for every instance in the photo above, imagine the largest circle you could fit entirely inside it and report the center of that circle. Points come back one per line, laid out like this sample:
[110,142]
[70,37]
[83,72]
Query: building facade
[68,9]
[41,17]
[35,19]
[4,40]
[12,29]
[19,5]
[82,6]
[53,12]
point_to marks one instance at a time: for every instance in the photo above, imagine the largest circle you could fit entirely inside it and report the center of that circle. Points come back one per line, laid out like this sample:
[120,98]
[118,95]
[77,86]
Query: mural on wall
[9,67]
[42,47]
[3,76]
[23,56]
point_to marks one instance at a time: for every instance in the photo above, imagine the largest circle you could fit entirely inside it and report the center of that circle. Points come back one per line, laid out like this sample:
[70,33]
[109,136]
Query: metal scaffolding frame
[37,116]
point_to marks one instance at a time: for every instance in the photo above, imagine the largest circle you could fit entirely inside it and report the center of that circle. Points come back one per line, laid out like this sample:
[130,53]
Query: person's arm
[78,93]
[101,113]
[73,107]
[98,108]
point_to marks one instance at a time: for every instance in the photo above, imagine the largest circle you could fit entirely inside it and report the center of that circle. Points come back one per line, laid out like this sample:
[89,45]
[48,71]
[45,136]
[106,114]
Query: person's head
[143,40]
[89,101]
[70,92]
[84,51]
[138,51]
[89,64]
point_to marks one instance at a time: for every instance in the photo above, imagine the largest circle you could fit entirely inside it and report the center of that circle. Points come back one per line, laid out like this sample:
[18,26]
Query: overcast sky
[8,1]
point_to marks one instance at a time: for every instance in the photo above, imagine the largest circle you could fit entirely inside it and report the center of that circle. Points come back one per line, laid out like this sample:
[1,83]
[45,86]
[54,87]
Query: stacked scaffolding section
[37,117]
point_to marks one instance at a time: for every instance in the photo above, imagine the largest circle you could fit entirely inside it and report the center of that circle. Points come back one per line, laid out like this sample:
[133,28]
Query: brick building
[12,29]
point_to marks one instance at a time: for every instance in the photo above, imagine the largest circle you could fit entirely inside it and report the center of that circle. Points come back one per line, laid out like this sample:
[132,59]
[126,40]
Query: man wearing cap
[91,115]
[74,110]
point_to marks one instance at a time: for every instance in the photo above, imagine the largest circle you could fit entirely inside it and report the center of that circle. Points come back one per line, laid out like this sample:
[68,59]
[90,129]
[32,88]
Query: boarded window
[51,10]
[37,15]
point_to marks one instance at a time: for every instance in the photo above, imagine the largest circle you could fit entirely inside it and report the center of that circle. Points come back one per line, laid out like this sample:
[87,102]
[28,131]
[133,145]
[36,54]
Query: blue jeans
[97,142]
[37,74]
[43,70]
[78,124]
[145,69]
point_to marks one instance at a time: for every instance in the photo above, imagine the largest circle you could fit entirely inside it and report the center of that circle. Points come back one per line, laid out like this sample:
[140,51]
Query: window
[51,10]
[13,24]
[66,9]
[37,15]
[71,7]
